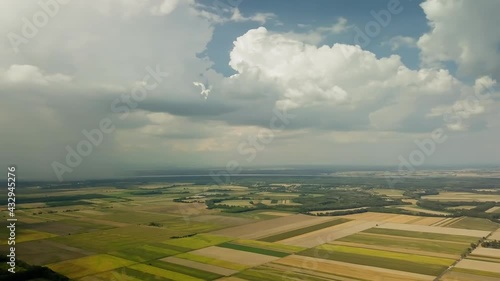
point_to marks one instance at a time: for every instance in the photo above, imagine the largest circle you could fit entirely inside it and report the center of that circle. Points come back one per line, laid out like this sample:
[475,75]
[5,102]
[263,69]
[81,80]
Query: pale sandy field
[347,269]
[459,276]
[495,235]
[394,218]
[479,265]
[272,226]
[463,196]
[235,256]
[487,252]
[494,209]
[328,234]
[406,251]
[435,229]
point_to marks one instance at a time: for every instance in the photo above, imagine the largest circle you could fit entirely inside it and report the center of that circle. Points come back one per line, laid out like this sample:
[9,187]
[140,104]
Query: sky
[92,88]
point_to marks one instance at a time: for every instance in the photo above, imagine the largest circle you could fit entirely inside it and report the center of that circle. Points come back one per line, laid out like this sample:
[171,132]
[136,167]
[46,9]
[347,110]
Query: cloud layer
[346,100]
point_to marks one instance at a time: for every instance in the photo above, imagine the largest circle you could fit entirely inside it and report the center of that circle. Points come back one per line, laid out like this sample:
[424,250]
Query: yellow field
[463,196]
[212,261]
[29,235]
[434,229]
[479,265]
[89,265]
[240,257]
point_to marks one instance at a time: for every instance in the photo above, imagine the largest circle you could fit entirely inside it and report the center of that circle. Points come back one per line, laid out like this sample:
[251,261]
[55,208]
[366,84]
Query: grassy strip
[300,231]
[384,259]
[407,243]
[205,275]
[253,250]
[424,235]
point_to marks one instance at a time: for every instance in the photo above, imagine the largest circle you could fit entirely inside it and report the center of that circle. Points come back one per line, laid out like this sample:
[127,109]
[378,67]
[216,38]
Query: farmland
[249,231]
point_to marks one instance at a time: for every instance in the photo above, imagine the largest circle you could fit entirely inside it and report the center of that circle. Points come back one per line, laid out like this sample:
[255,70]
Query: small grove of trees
[491,244]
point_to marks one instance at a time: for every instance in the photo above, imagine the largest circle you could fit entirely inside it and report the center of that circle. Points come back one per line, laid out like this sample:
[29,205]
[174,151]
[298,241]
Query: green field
[477,272]
[475,223]
[24,235]
[438,246]
[205,275]
[423,235]
[384,259]
[212,261]
[253,250]
[116,238]
[142,253]
[168,274]
[300,231]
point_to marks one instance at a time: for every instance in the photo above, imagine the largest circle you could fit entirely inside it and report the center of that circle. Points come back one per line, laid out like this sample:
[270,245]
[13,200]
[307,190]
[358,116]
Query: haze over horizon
[106,86]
